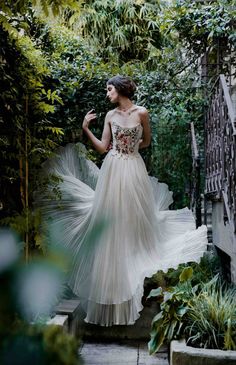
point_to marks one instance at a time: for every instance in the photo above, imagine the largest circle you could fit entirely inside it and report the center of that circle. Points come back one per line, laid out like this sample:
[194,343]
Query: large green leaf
[186,274]
[181,311]
[156,341]
[171,329]
[155,293]
[157,317]
[168,296]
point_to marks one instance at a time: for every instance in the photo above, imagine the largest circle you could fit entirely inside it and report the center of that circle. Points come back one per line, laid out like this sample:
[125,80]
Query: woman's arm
[100,145]
[144,116]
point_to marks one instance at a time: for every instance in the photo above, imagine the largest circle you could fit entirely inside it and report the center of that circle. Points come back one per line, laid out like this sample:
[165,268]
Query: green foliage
[204,314]
[199,23]
[124,30]
[169,323]
[13,8]
[172,106]
[78,74]
[26,137]
[44,345]
[186,274]
[212,317]
[202,29]
[177,298]
[27,221]
[203,272]
[22,342]
[61,348]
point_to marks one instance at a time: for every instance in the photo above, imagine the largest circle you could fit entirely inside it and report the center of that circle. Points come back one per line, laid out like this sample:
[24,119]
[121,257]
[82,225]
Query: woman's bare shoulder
[142,109]
[110,112]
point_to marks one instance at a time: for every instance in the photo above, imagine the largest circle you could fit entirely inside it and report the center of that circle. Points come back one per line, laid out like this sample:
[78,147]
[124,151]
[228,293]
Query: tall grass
[212,317]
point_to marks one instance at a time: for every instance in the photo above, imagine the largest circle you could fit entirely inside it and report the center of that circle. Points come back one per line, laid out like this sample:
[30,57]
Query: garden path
[125,352]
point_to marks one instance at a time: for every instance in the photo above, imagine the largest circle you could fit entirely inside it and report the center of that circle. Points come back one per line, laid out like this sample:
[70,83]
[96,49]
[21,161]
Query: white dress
[140,235]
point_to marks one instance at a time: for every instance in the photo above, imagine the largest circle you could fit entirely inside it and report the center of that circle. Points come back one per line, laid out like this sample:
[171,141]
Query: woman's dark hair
[123,84]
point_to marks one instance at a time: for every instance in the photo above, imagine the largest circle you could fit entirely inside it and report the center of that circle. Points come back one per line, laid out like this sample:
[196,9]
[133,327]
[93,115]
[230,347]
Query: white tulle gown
[141,236]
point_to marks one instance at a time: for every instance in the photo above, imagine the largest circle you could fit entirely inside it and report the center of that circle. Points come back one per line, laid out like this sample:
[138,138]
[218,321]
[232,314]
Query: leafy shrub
[203,272]
[22,342]
[44,345]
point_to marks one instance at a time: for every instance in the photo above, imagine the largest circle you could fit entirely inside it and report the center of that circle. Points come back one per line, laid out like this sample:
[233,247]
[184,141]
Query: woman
[141,236]
[119,93]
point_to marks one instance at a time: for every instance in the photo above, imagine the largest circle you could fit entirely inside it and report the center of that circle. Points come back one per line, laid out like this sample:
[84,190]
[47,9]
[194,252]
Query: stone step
[60,320]
[67,310]
[71,310]
[68,307]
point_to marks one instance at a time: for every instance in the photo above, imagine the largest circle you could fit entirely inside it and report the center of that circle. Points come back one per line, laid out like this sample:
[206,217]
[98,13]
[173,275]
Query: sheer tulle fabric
[141,235]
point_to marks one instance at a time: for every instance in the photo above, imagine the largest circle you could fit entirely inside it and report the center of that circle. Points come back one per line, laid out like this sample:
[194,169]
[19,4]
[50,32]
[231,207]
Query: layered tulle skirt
[116,223]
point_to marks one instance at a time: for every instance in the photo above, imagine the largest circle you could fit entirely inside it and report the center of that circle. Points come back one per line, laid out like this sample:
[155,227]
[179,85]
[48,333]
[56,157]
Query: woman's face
[112,93]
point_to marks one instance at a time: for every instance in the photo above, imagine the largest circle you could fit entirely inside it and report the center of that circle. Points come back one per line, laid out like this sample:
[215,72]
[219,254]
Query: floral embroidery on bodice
[126,139]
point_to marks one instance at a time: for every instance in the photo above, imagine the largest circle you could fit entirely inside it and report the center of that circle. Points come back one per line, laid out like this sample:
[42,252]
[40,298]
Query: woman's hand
[100,145]
[87,119]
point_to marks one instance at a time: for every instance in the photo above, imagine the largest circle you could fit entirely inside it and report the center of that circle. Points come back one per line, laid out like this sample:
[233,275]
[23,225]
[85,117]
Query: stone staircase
[116,345]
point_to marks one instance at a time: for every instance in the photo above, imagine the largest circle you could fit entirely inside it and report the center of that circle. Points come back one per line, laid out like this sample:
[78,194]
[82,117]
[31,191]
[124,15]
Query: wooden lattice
[220,150]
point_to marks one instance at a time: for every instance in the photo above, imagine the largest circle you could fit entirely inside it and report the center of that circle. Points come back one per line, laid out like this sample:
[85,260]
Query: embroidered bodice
[125,140]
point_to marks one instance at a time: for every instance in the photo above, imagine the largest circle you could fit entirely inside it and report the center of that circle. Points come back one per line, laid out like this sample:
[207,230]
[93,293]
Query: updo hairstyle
[124,85]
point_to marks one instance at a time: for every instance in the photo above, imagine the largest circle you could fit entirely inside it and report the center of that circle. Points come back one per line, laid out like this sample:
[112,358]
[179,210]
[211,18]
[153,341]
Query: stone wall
[222,236]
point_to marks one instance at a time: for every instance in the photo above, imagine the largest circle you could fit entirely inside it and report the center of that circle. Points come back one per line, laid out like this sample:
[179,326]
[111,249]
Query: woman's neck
[125,104]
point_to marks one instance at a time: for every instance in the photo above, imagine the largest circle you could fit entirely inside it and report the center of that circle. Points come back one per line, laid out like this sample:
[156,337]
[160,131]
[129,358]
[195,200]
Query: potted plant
[198,320]
[210,332]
